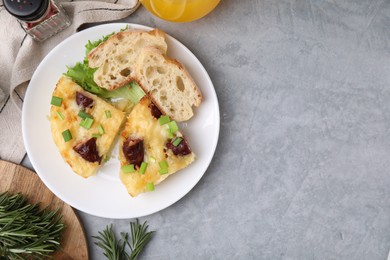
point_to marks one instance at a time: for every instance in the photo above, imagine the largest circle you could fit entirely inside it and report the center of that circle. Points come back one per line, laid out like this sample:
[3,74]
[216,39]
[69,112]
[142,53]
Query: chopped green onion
[163,167]
[56,101]
[170,134]
[150,186]
[106,158]
[177,141]
[129,168]
[164,120]
[67,135]
[143,167]
[163,171]
[84,115]
[60,115]
[152,159]
[163,164]
[173,127]
[100,129]
[108,113]
[135,92]
[87,123]
[96,135]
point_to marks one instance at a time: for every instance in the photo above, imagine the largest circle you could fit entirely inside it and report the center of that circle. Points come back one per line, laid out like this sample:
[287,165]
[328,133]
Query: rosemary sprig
[114,249]
[26,231]
[139,238]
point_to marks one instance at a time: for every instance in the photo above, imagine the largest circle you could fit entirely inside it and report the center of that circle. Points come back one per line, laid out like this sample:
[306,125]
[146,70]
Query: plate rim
[25,122]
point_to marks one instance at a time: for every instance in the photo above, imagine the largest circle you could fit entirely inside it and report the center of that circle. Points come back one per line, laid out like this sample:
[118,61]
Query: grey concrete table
[302,168]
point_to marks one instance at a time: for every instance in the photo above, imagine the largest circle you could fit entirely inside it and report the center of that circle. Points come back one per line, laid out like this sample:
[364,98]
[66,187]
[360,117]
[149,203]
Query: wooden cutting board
[15,178]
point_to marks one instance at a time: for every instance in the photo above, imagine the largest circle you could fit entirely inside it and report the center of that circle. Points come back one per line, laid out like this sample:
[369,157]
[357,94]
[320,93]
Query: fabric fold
[20,56]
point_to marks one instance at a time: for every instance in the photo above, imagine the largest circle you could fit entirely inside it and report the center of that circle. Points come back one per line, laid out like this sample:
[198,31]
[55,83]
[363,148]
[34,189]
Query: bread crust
[193,96]
[92,54]
[119,53]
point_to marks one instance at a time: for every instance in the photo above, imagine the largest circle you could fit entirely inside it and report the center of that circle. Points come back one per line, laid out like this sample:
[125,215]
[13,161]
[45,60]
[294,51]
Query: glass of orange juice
[180,10]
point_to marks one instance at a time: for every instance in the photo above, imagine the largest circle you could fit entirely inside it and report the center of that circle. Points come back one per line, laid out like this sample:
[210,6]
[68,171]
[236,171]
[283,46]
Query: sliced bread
[115,58]
[167,83]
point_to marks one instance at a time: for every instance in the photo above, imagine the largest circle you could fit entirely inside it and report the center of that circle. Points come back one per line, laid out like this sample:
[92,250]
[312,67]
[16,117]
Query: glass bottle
[180,10]
[39,18]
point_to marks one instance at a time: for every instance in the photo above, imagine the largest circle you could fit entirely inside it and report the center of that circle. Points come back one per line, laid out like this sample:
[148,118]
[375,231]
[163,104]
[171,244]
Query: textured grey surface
[302,167]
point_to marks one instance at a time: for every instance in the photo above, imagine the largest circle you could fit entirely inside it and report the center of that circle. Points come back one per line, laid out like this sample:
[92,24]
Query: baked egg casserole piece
[83,126]
[151,148]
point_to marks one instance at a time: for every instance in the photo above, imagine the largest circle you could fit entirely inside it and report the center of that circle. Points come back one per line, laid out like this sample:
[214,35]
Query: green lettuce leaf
[90,45]
[83,75]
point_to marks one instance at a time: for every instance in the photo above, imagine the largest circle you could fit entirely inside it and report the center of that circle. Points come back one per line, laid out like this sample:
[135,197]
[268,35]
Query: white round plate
[104,195]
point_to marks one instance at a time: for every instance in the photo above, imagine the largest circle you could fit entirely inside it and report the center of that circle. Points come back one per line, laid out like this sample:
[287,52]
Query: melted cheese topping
[66,89]
[141,124]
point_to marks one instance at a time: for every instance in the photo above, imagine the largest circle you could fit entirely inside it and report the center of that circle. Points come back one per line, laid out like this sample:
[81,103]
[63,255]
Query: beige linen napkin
[20,55]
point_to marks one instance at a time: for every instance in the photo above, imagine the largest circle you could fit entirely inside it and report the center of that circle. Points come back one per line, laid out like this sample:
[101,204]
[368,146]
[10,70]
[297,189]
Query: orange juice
[180,10]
